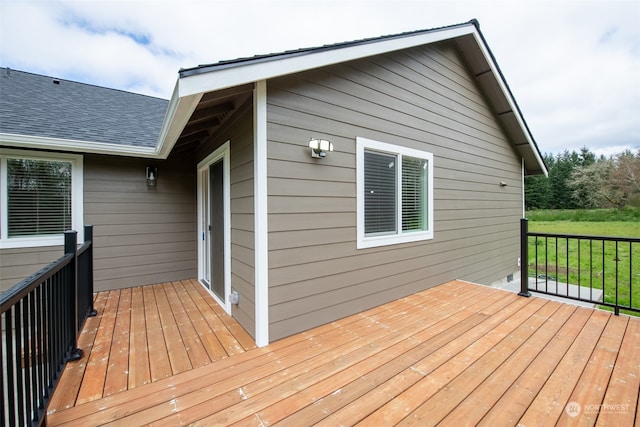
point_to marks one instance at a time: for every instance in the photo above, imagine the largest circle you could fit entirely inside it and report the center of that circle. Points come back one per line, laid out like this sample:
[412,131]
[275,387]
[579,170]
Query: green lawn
[609,228]
[589,263]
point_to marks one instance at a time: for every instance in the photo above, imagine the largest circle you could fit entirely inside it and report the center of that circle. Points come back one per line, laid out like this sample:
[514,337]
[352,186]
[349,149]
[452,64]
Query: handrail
[604,285]
[41,318]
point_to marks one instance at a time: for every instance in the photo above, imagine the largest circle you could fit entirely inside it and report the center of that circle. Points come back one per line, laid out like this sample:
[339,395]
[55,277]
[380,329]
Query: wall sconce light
[152,176]
[319,148]
[503,184]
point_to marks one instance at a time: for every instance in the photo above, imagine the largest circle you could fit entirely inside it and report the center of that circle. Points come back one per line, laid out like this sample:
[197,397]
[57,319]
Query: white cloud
[573,66]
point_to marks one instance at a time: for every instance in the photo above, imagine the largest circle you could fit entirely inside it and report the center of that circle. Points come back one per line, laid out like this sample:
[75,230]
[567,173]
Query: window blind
[38,197]
[414,197]
[380,193]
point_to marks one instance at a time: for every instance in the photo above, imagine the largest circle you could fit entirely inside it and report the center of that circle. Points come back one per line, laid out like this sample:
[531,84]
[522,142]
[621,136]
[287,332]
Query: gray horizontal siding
[242,222]
[424,99]
[239,131]
[20,263]
[141,235]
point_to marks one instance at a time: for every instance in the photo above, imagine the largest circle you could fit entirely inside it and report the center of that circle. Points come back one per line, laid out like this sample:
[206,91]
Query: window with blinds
[379,193]
[38,197]
[395,187]
[414,193]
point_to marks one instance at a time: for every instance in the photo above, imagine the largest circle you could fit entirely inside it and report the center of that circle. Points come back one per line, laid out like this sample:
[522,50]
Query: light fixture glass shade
[152,175]
[319,147]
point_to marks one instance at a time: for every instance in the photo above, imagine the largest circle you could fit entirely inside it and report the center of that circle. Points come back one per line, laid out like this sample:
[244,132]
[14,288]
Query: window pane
[414,194]
[39,197]
[379,193]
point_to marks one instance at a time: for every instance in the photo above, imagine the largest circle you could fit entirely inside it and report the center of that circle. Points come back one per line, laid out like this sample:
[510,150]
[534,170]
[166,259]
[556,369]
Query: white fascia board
[72,145]
[178,113]
[507,94]
[270,68]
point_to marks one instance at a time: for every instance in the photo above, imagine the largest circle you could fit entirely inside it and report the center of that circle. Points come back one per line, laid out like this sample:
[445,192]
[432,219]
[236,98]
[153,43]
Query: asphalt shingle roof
[37,105]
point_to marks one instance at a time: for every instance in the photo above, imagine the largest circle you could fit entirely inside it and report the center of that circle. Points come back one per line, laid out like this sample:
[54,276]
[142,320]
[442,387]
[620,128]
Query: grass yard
[594,263]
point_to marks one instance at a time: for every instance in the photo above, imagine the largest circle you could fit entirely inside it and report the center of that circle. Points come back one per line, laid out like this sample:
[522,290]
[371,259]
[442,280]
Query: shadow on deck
[458,354]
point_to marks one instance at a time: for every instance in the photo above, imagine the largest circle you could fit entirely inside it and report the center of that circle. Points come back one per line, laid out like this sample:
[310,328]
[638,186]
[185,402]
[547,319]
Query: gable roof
[130,124]
[193,83]
[63,112]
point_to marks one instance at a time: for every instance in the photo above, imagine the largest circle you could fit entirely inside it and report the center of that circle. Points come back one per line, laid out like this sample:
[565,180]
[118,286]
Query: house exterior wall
[239,131]
[425,99]
[20,263]
[141,235]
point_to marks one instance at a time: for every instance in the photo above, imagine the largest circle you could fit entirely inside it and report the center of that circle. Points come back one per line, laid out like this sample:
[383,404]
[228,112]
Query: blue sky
[573,66]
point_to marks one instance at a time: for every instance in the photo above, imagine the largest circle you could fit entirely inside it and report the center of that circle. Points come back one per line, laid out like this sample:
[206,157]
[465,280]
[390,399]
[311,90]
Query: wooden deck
[145,334]
[457,354]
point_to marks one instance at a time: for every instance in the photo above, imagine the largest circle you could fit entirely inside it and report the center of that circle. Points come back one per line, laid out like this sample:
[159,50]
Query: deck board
[92,386]
[457,354]
[139,366]
[118,366]
[620,403]
[137,335]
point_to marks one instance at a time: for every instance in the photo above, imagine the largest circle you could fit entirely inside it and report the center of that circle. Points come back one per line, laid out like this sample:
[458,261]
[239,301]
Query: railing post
[71,247]
[88,237]
[524,258]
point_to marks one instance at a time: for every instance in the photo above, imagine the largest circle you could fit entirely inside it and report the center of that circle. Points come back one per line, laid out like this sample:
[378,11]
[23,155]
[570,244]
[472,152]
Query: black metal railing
[41,318]
[600,270]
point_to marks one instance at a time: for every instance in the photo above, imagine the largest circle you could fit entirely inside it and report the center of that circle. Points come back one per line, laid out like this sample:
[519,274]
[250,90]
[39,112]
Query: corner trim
[261,232]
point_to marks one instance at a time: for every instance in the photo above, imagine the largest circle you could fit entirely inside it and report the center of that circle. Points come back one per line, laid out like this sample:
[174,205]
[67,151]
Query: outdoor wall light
[152,176]
[503,184]
[319,148]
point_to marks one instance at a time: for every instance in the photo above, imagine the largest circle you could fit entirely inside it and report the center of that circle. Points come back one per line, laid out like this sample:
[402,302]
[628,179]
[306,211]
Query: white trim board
[261,223]
[222,152]
[233,76]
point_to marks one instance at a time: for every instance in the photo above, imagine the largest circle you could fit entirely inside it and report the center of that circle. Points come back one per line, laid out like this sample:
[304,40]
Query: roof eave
[72,145]
[193,83]
[212,78]
[491,79]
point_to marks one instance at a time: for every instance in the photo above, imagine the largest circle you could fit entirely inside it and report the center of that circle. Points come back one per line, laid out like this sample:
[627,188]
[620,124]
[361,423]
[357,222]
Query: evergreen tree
[559,178]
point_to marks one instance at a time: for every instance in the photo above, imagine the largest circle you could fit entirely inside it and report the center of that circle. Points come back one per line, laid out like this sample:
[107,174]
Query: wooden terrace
[456,354]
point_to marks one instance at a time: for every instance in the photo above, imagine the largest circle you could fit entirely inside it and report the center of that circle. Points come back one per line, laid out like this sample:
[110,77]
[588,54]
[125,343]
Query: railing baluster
[11,398]
[546,264]
[566,262]
[591,269]
[33,366]
[25,358]
[39,362]
[630,274]
[42,317]
[3,373]
[616,260]
[19,376]
[612,277]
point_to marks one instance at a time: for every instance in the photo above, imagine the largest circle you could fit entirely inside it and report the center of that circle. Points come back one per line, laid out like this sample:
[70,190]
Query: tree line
[581,180]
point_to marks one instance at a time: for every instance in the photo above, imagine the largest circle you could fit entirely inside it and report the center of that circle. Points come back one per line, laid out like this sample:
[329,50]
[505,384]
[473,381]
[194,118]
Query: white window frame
[364,241]
[77,210]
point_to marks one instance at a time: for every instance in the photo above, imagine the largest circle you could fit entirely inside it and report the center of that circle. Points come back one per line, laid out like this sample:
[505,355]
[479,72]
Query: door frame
[221,153]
